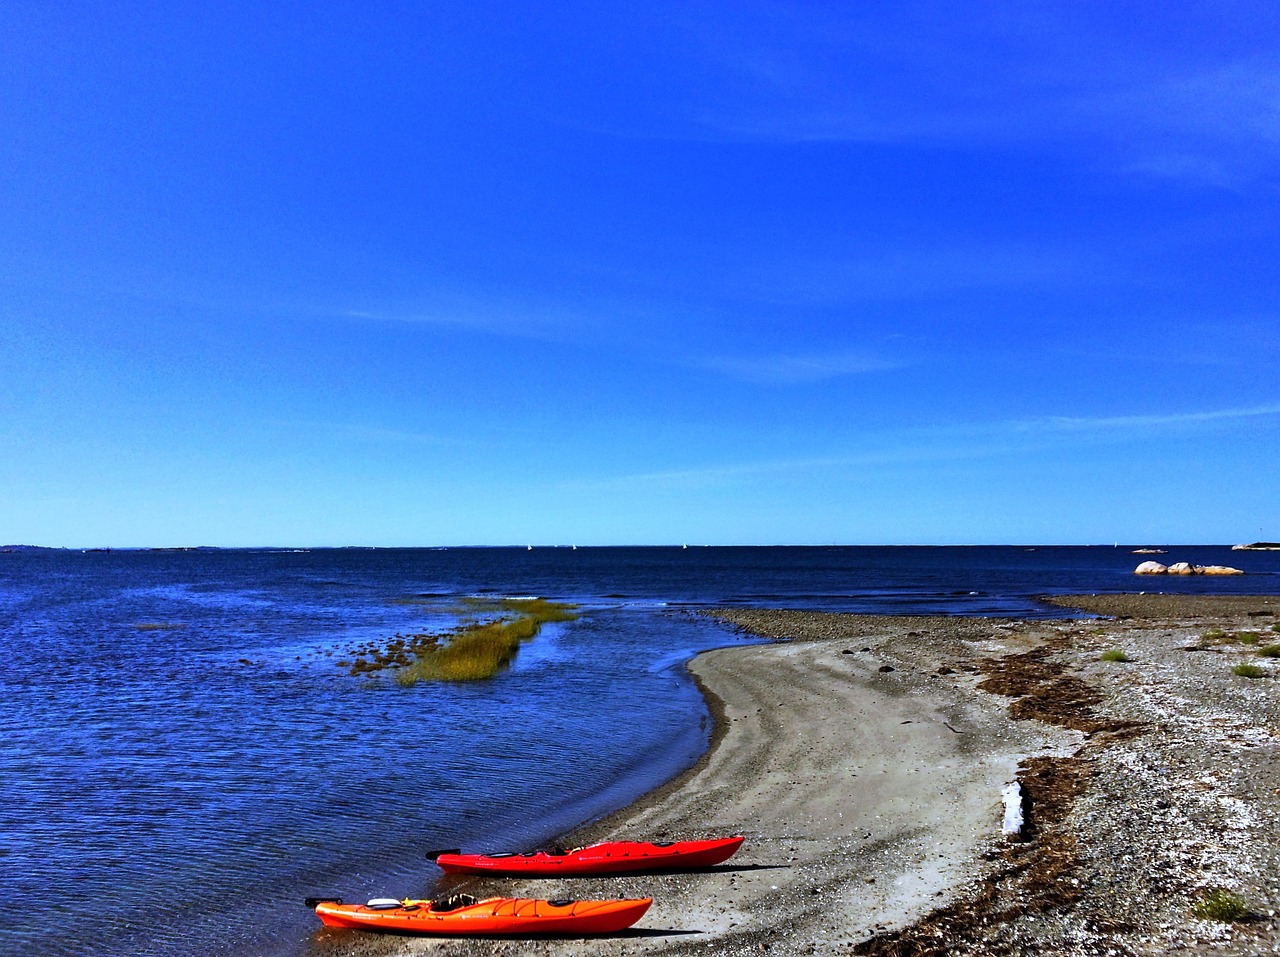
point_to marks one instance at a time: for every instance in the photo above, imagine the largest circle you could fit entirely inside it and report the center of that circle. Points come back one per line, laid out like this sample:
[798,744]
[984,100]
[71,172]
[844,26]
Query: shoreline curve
[864,757]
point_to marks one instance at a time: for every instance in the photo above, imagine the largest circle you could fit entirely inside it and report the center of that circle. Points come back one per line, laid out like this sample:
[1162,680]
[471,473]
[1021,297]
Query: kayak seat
[452,902]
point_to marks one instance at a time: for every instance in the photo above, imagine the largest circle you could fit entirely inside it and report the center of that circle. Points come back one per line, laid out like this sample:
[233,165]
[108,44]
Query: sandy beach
[864,756]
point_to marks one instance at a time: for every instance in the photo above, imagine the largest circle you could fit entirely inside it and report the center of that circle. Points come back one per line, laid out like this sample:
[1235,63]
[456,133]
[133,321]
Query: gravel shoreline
[863,757]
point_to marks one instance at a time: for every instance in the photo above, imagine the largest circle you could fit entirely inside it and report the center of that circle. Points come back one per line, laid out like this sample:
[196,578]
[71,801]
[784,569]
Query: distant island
[166,548]
[1257,547]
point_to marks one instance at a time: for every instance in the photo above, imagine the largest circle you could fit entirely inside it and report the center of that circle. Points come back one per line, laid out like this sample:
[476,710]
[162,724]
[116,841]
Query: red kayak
[464,916]
[608,857]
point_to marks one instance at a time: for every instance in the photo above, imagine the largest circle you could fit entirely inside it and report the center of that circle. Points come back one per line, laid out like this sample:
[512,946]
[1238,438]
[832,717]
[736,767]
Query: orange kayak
[609,857]
[463,915]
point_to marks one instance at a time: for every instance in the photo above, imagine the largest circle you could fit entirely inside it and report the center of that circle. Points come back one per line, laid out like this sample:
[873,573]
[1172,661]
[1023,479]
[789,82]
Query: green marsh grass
[1269,651]
[1248,637]
[480,649]
[1214,634]
[1220,905]
[538,608]
[1247,670]
[1114,654]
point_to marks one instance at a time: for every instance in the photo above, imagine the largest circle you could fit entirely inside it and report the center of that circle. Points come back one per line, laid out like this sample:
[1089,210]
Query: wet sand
[863,757]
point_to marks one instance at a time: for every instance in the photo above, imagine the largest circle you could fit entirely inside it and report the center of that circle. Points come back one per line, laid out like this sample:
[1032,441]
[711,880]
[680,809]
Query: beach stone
[1150,568]
[1219,570]
[1181,568]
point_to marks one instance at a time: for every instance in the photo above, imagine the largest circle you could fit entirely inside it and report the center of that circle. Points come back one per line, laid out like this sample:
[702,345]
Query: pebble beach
[864,758]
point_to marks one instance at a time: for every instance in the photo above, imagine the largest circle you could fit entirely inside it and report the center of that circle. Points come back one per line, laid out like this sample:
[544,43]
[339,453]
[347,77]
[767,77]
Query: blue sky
[474,273]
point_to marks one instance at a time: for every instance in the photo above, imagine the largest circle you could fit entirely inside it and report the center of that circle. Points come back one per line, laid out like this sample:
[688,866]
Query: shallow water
[176,743]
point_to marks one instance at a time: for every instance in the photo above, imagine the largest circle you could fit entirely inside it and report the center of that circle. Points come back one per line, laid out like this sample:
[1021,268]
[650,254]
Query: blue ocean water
[181,760]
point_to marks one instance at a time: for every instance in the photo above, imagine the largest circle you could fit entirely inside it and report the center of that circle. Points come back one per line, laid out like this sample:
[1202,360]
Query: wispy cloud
[370,434]
[673,334]
[1217,125]
[996,77]
[493,316]
[796,369]
[559,312]
[1188,167]
[958,442]
[1144,422]
[909,274]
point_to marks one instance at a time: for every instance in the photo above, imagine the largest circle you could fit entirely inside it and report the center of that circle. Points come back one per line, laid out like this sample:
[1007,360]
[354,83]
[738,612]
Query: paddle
[311,902]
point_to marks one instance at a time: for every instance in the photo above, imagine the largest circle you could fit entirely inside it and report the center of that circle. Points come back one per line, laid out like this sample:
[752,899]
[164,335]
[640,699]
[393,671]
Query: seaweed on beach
[1043,690]
[1034,876]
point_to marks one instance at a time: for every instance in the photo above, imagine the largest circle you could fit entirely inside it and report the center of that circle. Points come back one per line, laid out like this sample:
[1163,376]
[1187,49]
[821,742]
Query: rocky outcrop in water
[1185,568]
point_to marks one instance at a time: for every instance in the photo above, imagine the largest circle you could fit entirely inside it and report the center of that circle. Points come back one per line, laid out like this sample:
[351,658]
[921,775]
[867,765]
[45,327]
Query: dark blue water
[177,743]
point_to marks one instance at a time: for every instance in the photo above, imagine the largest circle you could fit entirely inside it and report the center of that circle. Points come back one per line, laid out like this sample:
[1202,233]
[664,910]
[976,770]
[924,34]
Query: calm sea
[181,760]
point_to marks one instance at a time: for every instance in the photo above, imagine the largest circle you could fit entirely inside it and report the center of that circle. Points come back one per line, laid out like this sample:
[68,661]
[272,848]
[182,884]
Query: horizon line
[286,549]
